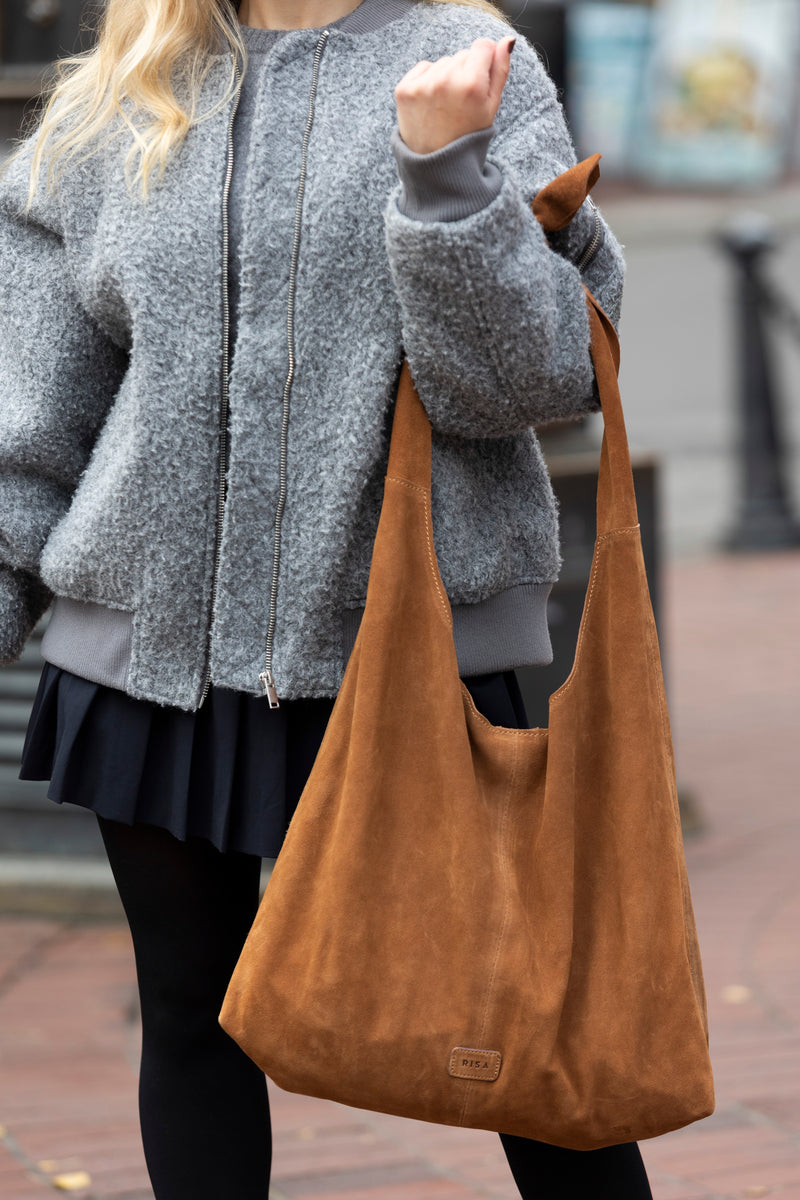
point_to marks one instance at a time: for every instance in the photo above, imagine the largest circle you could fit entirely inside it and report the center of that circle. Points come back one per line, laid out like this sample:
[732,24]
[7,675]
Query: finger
[471,69]
[500,66]
[481,55]
[460,55]
[406,87]
[438,76]
[419,69]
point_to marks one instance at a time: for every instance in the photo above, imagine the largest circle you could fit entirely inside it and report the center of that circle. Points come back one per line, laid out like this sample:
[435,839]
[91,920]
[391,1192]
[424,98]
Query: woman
[225,234]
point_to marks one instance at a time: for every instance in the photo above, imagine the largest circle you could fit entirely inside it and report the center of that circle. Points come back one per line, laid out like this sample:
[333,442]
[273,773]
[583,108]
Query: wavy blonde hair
[126,81]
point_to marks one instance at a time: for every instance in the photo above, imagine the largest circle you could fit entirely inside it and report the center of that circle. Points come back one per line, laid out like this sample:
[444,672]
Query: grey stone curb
[60,886]
[659,218]
[41,885]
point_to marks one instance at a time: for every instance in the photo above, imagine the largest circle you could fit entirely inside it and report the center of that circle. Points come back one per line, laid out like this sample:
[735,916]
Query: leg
[203,1103]
[543,1172]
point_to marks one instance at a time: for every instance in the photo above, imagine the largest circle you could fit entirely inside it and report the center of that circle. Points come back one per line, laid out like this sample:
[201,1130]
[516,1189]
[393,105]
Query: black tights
[189,908]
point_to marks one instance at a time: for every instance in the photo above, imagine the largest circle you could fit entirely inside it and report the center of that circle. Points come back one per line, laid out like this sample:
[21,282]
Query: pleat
[231,772]
[218,773]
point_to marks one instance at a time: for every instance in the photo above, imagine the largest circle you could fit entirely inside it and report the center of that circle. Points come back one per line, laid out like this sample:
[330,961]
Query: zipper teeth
[225,394]
[592,248]
[287,387]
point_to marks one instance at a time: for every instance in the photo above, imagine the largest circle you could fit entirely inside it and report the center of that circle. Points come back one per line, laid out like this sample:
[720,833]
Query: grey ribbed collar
[368,16]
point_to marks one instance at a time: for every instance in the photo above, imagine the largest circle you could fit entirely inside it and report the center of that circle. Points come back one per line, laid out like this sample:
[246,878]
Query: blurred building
[698,93]
[32,34]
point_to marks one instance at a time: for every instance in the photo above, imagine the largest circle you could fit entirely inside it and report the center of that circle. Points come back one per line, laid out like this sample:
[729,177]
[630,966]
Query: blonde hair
[126,81]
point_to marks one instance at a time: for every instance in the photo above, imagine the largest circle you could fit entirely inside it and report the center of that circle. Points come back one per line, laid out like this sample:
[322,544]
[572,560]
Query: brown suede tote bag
[476,925]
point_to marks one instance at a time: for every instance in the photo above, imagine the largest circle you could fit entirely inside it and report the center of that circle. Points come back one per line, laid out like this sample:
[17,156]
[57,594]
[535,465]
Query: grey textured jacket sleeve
[494,317]
[58,376]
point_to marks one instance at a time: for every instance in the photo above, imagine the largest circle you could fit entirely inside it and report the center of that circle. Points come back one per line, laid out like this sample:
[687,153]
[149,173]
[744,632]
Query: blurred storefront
[676,93]
[720,93]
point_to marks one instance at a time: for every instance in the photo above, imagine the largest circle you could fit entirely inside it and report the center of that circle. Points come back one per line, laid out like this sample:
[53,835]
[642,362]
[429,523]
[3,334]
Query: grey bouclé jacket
[204,512]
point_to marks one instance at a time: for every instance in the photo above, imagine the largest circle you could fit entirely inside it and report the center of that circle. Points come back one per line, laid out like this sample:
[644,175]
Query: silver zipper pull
[268,684]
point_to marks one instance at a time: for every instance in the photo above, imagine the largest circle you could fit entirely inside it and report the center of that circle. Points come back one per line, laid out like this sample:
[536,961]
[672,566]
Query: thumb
[501,64]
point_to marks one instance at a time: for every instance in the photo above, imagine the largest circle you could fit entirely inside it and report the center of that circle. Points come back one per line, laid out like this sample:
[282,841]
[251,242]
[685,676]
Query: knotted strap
[557,203]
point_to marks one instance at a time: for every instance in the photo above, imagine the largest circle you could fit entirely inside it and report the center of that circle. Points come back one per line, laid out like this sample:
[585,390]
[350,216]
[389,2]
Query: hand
[441,101]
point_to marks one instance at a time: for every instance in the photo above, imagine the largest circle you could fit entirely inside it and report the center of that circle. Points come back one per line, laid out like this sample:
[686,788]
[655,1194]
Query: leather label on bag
[466,1063]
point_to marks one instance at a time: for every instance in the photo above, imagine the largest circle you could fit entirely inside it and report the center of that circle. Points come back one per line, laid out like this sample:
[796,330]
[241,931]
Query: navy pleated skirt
[231,772]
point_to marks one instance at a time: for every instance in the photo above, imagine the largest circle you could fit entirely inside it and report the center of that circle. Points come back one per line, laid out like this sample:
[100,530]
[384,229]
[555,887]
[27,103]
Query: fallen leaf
[72,1181]
[736,993]
[758,1190]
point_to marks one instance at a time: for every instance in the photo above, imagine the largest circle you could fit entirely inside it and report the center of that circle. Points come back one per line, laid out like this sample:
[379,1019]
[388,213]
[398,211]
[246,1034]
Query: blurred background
[695,107]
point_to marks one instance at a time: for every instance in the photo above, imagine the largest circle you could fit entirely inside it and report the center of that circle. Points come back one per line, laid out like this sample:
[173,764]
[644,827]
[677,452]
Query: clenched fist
[440,101]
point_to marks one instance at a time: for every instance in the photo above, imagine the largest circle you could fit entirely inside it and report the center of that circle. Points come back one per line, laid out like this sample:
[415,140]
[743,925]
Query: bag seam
[601,537]
[443,600]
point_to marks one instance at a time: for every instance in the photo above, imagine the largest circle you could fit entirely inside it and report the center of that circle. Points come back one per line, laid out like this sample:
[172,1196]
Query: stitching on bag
[602,537]
[416,487]
[448,615]
[676,817]
[568,682]
[504,861]
[655,661]
[501,729]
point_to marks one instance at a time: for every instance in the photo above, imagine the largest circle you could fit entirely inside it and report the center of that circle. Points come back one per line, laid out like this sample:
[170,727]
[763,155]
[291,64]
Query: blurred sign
[607,48]
[721,92]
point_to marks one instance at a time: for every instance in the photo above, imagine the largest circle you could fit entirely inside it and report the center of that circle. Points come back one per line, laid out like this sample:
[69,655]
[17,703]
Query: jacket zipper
[266,678]
[597,237]
[224,395]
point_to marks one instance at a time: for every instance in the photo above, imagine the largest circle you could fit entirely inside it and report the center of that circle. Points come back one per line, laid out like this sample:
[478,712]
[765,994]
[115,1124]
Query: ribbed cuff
[447,184]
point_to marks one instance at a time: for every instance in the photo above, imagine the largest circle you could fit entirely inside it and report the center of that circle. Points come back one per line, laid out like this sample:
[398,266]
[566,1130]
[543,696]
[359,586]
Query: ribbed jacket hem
[508,630]
[505,631]
[90,640]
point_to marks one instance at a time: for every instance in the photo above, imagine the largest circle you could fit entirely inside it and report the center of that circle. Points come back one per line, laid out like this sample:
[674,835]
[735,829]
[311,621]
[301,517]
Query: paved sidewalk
[68,1034]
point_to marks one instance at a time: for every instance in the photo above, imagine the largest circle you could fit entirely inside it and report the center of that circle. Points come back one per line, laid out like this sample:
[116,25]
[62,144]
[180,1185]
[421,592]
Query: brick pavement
[68,1035]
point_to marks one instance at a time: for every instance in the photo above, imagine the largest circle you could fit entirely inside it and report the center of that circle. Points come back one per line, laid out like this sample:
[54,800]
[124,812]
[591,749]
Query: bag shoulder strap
[410,451]
[554,207]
